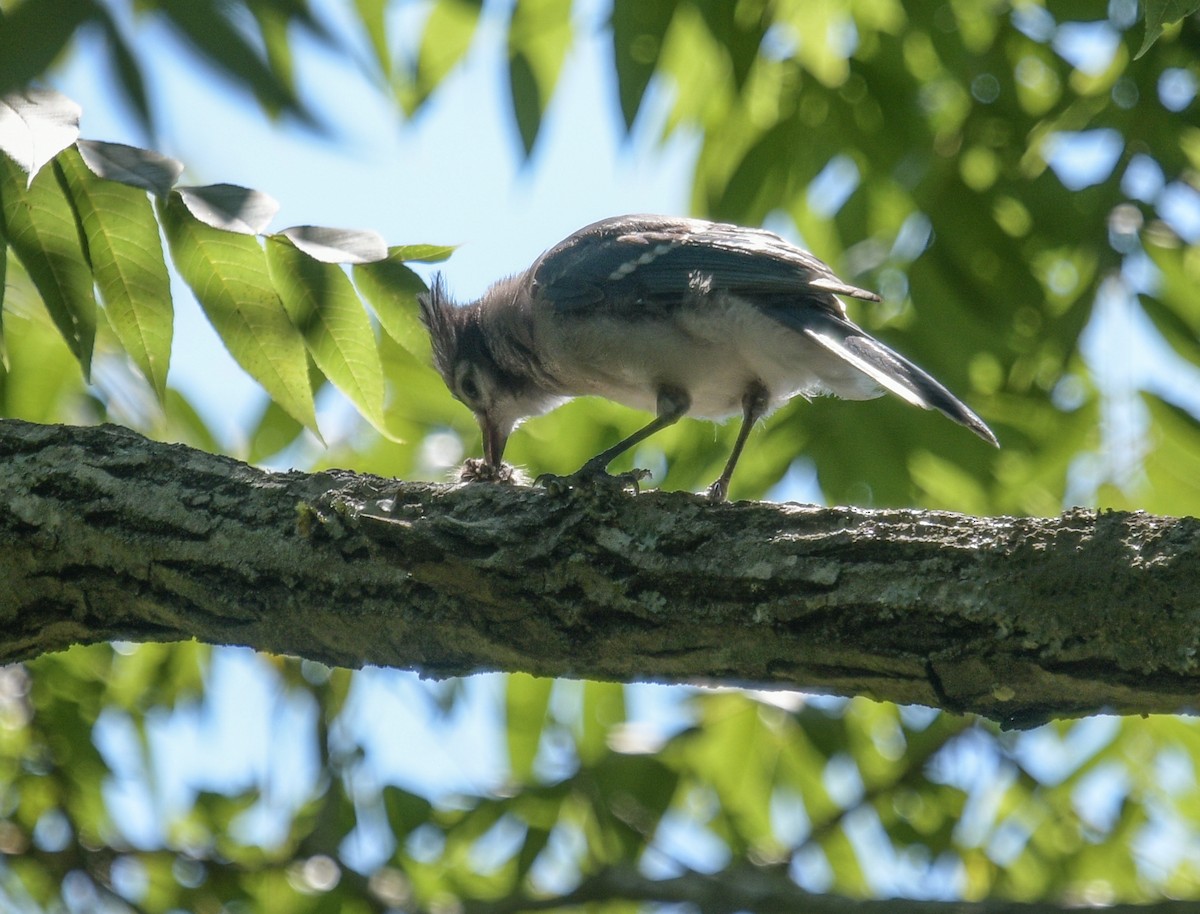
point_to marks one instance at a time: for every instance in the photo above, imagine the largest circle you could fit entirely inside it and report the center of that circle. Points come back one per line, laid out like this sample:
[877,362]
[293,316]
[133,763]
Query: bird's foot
[476,469]
[593,478]
[718,491]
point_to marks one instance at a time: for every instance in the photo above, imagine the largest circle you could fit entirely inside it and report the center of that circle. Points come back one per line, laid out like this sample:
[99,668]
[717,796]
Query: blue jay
[669,315]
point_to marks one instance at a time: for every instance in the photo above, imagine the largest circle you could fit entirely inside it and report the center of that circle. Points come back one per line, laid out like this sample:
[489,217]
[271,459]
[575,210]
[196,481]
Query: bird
[671,315]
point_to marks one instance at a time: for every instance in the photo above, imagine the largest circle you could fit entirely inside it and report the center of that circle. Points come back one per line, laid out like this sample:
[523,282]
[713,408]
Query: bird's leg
[754,404]
[672,405]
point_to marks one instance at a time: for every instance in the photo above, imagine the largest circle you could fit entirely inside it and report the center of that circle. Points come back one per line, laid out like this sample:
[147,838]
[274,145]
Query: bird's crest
[444,320]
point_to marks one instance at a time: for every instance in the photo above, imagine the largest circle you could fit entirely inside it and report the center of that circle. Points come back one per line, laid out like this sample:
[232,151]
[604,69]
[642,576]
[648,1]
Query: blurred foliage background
[1019,182]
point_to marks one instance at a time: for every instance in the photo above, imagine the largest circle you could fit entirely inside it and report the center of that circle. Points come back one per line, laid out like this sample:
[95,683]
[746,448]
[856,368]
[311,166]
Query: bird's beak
[494,439]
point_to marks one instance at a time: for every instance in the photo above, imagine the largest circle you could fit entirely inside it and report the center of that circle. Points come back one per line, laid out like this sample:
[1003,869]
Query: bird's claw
[595,479]
[718,491]
[476,469]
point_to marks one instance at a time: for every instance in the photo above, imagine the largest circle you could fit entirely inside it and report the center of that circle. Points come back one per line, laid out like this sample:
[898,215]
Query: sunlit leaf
[323,306]
[448,33]
[372,15]
[331,245]
[229,207]
[421,253]
[228,274]
[128,264]
[130,165]
[40,225]
[35,125]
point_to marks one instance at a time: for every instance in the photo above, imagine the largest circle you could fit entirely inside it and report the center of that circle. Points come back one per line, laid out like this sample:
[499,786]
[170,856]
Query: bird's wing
[642,259]
[887,368]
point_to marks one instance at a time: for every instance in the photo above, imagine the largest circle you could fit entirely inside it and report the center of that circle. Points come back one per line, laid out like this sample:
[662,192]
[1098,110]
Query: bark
[106,535]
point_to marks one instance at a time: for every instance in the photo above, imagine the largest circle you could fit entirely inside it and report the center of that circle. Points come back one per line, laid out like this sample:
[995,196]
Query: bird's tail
[889,369]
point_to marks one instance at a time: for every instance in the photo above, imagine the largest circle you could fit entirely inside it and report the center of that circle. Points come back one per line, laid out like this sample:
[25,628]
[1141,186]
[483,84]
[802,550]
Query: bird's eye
[468,387]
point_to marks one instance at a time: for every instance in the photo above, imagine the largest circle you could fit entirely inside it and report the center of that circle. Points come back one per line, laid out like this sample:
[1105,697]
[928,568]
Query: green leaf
[422,253]
[603,709]
[444,42]
[41,228]
[125,65]
[539,34]
[322,304]
[230,207]
[331,245]
[273,21]
[3,281]
[638,31]
[372,14]
[739,28]
[186,425]
[274,431]
[35,126]
[392,289]
[526,700]
[143,168]
[35,33]
[1160,14]
[1172,465]
[206,25]
[405,811]
[228,274]
[128,265]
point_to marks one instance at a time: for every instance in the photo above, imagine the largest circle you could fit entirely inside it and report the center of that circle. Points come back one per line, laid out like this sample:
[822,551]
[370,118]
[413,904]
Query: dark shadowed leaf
[35,125]
[1161,13]
[127,69]
[131,165]
[205,24]
[33,35]
[230,207]
[333,245]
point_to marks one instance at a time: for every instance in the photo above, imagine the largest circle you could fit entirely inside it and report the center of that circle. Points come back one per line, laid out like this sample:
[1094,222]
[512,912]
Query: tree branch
[105,535]
[768,890]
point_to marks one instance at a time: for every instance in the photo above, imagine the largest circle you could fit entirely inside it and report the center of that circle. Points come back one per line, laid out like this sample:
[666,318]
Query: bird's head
[499,397]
